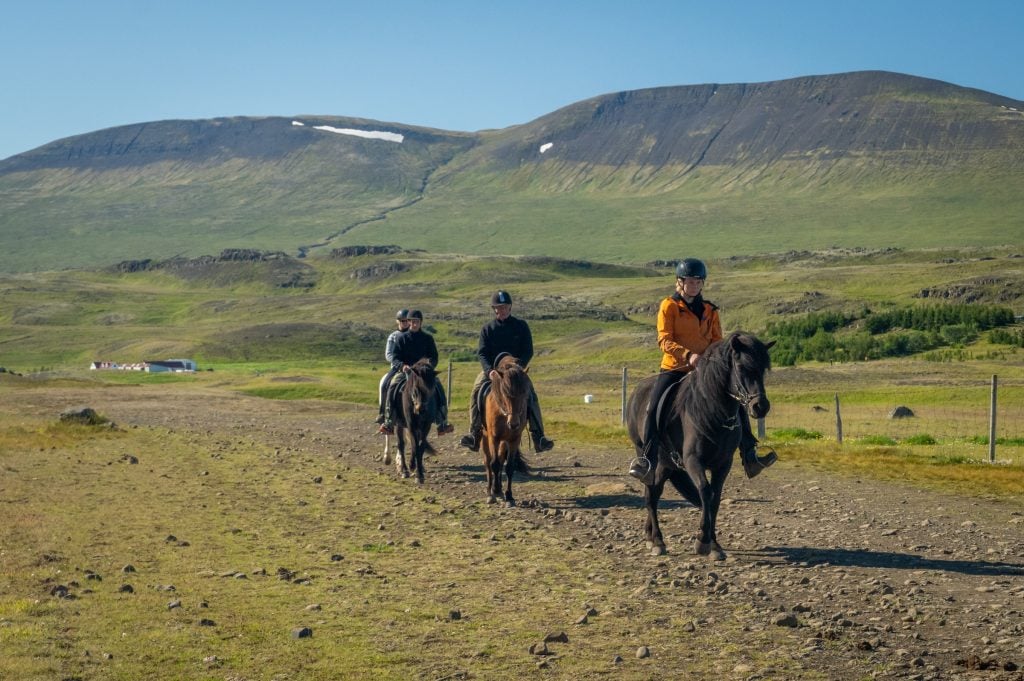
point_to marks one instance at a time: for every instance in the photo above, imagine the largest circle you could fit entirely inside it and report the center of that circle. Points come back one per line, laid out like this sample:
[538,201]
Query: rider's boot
[754,464]
[541,443]
[445,428]
[472,440]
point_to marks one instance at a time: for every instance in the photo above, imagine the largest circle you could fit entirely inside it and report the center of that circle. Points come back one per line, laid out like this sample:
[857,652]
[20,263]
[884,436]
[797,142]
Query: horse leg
[710,498]
[496,465]
[400,465]
[510,468]
[684,485]
[387,449]
[652,529]
[488,470]
[421,447]
[717,484]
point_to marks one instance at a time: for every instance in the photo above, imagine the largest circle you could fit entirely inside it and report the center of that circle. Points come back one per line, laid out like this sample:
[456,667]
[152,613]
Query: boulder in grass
[901,412]
[84,415]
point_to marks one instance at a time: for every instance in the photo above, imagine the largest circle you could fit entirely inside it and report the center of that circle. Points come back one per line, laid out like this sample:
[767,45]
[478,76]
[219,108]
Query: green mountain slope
[865,159]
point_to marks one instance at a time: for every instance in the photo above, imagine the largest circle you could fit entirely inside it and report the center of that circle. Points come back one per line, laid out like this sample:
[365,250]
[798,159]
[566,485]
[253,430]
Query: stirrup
[470,442]
[643,470]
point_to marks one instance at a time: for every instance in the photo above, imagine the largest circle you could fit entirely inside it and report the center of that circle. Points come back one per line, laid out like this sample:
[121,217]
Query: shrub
[921,439]
[795,434]
[880,440]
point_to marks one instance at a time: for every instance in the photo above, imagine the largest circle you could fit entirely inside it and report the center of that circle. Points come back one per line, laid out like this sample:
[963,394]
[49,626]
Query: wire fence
[983,418]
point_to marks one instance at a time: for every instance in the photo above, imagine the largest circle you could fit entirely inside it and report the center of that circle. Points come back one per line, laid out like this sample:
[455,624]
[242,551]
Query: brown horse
[504,420]
[699,431]
[414,410]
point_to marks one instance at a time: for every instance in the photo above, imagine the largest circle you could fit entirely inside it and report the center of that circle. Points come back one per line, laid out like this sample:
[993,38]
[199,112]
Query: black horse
[699,431]
[414,409]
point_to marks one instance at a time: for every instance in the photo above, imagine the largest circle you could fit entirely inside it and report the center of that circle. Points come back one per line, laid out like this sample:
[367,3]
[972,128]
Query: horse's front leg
[489,455]
[400,464]
[706,544]
[421,447]
[495,464]
[510,468]
[717,484]
[652,529]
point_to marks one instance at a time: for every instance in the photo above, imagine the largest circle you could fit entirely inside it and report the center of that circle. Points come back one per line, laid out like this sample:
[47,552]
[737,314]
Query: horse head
[420,383]
[510,388]
[750,362]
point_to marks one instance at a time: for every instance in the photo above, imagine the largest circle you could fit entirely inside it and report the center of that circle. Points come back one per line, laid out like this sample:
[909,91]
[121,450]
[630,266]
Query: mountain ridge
[848,159]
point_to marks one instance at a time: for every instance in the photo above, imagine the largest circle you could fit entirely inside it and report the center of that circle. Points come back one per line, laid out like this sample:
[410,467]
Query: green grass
[386,570]
[795,434]
[942,466]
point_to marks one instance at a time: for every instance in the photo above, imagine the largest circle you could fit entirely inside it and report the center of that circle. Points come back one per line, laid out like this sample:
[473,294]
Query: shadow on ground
[886,559]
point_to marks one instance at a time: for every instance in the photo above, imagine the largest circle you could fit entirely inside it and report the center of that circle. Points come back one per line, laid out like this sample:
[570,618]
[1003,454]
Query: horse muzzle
[759,407]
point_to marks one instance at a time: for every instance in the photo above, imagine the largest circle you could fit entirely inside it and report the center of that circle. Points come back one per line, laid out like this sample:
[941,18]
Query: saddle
[666,397]
[481,398]
[395,391]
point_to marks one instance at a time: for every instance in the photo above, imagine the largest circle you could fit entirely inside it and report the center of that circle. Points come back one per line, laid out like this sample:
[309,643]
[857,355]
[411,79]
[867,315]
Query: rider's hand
[693,359]
[406,368]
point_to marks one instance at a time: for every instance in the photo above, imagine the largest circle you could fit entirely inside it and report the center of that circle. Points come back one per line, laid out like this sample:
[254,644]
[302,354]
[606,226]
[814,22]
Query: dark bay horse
[414,410]
[699,431]
[504,412]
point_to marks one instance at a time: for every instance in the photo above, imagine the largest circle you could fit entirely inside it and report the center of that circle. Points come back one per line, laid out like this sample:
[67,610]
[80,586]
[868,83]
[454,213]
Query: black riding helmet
[501,298]
[416,314]
[691,267]
[402,315]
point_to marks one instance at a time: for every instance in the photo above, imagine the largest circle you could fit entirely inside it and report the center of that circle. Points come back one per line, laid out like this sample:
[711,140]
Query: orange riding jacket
[680,333]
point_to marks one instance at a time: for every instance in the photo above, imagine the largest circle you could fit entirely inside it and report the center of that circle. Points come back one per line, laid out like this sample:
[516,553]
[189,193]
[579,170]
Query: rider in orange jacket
[687,325]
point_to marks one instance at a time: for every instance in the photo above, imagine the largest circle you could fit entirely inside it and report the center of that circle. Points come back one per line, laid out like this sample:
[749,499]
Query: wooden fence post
[992,423]
[625,374]
[839,422]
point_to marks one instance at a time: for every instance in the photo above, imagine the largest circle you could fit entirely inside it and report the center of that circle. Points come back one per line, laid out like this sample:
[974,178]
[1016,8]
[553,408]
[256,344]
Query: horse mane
[424,369]
[705,395]
[513,380]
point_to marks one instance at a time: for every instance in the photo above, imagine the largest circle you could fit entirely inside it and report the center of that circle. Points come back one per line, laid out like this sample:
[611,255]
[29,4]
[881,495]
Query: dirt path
[865,575]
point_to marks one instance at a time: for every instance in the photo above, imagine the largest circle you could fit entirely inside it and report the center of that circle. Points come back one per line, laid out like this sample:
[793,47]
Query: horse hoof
[387,460]
[510,504]
[491,500]
[419,481]
[405,474]
[657,550]
[702,549]
[716,551]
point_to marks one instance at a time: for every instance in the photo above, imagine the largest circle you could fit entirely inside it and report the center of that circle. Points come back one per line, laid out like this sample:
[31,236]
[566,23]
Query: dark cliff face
[824,116]
[212,140]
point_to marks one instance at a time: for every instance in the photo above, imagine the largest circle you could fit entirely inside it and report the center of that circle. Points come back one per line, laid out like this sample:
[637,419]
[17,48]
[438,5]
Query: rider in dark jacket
[410,347]
[504,334]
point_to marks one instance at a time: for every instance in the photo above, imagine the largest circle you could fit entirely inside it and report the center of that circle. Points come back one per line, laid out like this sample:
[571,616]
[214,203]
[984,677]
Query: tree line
[865,335]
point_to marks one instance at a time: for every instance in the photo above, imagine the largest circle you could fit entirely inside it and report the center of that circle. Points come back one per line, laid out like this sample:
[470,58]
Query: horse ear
[493,375]
[769,344]
[735,343]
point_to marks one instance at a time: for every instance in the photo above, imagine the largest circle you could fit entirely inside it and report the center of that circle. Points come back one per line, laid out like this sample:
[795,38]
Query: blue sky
[71,67]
